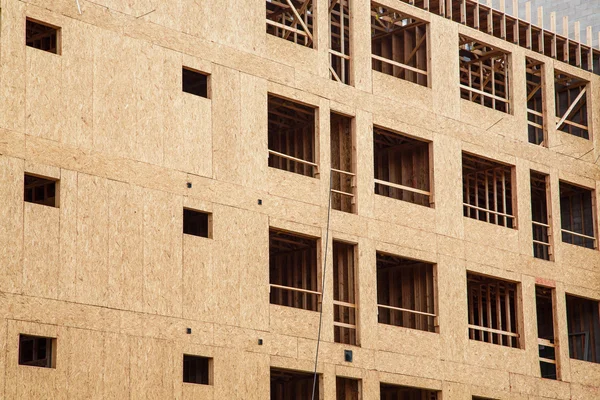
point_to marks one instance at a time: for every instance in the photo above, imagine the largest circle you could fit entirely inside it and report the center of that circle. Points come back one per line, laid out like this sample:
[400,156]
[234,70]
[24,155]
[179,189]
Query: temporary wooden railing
[352,177]
[348,305]
[581,235]
[522,32]
[298,160]
[406,310]
[294,289]
[402,187]
[546,343]
[334,74]
[545,229]
[399,64]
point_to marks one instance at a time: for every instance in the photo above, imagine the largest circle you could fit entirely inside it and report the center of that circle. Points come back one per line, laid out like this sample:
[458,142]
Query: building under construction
[237,199]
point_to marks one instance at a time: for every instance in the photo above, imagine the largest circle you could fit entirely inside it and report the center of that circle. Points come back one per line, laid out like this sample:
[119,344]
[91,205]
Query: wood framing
[399,45]
[291,20]
[535,101]
[547,343]
[292,385]
[402,167]
[42,36]
[484,74]
[584,328]
[292,136]
[488,191]
[345,305]
[571,104]
[406,293]
[347,389]
[493,308]
[40,190]
[339,41]
[397,392]
[541,216]
[578,220]
[343,163]
[294,275]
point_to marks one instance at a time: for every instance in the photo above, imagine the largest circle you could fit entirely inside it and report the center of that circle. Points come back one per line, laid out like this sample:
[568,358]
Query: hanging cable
[323,288]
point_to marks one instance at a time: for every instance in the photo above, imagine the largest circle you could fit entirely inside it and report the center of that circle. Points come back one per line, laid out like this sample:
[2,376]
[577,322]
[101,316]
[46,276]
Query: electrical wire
[323,286]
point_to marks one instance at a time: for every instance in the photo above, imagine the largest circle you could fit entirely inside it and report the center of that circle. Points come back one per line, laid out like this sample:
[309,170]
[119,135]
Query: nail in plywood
[399,44]
[584,328]
[197,370]
[343,164]
[544,300]
[293,270]
[42,36]
[571,104]
[535,101]
[292,385]
[37,351]
[347,389]
[291,20]
[487,191]
[492,310]
[339,41]
[577,215]
[396,392]
[345,309]
[484,74]
[402,167]
[406,293]
[40,190]
[291,139]
[540,216]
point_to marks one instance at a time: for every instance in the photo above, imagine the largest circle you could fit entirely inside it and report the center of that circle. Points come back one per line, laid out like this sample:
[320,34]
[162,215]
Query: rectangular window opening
[339,41]
[197,223]
[195,82]
[42,36]
[197,369]
[493,306]
[37,351]
[347,389]
[577,215]
[397,392]
[571,104]
[406,293]
[535,101]
[343,164]
[488,191]
[545,326]
[292,385]
[584,329]
[291,21]
[293,270]
[345,308]
[292,136]
[540,216]
[402,167]
[399,44]
[40,190]
[484,77]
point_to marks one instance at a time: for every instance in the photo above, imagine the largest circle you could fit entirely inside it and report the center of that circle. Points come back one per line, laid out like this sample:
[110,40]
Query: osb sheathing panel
[11,229]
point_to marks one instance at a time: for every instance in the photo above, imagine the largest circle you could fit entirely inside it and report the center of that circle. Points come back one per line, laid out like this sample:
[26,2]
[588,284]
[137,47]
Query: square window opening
[37,351]
[42,36]
[571,104]
[487,191]
[406,293]
[283,21]
[292,385]
[293,271]
[197,369]
[577,215]
[197,223]
[493,310]
[484,77]
[584,328]
[402,167]
[195,82]
[40,190]
[347,388]
[291,139]
[399,44]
